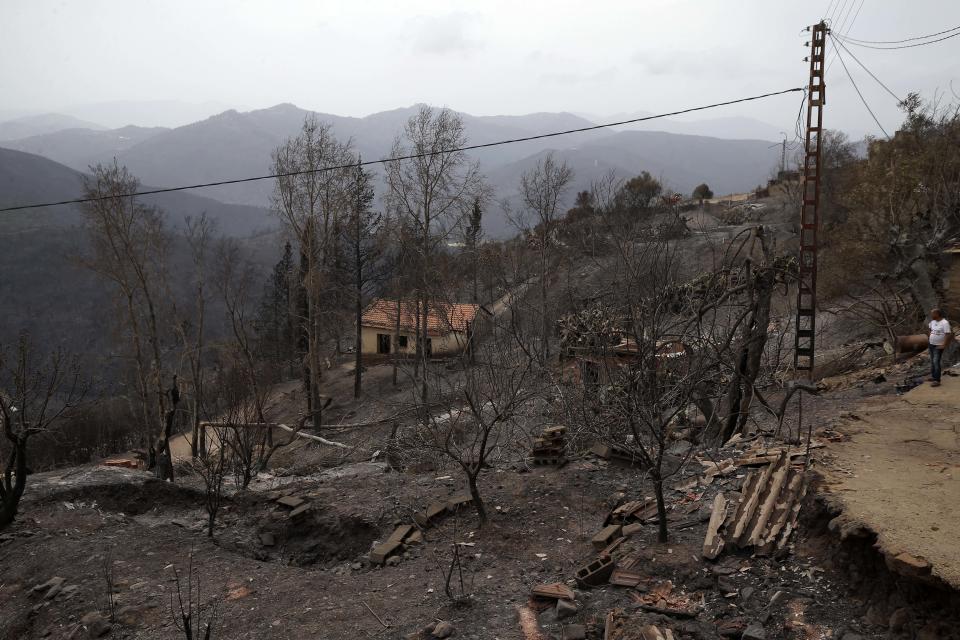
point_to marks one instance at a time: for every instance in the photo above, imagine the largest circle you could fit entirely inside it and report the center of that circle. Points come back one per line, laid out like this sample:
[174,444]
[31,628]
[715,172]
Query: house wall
[448,344]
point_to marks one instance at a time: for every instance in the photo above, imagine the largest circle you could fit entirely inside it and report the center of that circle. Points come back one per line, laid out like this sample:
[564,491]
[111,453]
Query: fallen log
[275,425]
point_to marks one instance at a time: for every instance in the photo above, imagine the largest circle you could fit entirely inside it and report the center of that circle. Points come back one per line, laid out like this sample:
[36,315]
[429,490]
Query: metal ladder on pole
[806,325]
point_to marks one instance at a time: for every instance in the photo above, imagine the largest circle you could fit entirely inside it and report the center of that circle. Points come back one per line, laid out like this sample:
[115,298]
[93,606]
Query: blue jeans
[936,355]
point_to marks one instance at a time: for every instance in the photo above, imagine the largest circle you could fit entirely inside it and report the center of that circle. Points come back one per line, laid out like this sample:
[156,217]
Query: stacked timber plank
[550,449]
[765,514]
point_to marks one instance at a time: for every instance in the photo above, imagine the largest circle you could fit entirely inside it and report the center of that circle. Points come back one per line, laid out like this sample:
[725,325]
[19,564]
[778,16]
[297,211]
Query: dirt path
[899,473]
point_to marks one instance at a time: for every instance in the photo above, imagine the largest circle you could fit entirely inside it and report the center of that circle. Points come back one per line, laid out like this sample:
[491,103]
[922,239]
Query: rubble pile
[550,449]
[764,515]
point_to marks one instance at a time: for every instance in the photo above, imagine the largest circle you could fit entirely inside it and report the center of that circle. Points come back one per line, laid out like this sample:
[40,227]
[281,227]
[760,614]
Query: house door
[383,343]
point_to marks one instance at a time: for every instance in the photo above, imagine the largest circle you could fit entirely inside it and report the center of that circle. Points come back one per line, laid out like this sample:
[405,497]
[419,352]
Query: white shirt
[938,331]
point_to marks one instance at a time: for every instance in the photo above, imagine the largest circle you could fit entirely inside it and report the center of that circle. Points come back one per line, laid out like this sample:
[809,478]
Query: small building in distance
[451,327]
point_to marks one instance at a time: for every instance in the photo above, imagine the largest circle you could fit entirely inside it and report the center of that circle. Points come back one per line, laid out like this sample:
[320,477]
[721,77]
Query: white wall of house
[448,344]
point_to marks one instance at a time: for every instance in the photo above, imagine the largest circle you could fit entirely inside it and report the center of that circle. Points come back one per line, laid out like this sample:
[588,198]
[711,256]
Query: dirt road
[899,473]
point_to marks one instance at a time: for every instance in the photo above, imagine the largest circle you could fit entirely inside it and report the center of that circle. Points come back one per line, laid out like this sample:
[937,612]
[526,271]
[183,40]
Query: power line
[864,100]
[406,157]
[855,16]
[895,96]
[838,12]
[843,20]
[840,29]
[902,46]
[929,35]
[827,12]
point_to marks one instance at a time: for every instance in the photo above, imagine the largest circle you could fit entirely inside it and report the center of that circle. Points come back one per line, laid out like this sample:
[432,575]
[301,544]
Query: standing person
[940,337]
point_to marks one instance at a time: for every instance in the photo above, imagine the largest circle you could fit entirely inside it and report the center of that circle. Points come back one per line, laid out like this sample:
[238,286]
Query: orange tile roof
[442,317]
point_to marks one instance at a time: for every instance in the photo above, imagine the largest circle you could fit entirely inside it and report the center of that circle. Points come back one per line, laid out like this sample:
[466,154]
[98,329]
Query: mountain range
[235,144]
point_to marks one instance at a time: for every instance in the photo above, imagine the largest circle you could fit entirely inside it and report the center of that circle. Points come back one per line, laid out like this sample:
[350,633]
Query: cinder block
[606,535]
[596,573]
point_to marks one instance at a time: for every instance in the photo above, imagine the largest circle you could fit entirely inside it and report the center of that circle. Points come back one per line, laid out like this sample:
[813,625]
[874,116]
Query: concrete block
[606,535]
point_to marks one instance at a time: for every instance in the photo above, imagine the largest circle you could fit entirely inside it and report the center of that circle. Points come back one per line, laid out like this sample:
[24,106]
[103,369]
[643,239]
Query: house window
[383,343]
[429,346]
[402,342]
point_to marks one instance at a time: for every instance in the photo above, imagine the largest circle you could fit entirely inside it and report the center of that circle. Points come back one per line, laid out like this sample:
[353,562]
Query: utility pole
[783,153]
[805,328]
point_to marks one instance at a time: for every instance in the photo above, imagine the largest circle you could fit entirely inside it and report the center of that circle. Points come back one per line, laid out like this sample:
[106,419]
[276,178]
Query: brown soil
[315,580]
[897,473]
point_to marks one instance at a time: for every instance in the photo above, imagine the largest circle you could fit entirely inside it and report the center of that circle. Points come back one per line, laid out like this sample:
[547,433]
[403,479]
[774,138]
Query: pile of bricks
[550,448]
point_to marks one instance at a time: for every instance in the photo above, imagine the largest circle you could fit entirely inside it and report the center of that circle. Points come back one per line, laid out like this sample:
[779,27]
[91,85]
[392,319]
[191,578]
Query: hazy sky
[485,58]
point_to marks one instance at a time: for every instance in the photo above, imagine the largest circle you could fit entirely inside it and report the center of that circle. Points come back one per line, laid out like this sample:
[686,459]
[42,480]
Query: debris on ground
[550,449]
[763,516]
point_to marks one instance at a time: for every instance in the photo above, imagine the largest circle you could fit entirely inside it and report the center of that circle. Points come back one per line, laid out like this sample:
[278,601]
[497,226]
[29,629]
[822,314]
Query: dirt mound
[130,499]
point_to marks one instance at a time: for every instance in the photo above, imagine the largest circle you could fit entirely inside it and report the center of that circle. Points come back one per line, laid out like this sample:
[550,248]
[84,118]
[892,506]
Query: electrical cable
[902,46]
[838,12]
[864,100]
[827,12]
[848,30]
[406,157]
[843,21]
[872,75]
[930,35]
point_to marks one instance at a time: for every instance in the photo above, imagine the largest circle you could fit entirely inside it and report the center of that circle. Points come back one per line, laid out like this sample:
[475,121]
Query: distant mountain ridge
[235,144]
[27,178]
[34,125]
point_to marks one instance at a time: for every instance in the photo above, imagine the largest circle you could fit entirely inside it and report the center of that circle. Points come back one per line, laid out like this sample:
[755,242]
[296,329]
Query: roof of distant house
[442,317]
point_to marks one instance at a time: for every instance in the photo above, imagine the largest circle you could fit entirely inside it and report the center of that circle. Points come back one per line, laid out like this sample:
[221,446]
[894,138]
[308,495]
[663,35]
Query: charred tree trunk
[12,488]
[473,474]
[657,479]
[396,342]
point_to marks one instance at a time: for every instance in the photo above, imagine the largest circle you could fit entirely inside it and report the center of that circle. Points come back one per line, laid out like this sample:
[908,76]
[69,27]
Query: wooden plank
[553,590]
[749,504]
[713,542]
[794,514]
[381,552]
[651,632]
[782,467]
[784,506]
[400,533]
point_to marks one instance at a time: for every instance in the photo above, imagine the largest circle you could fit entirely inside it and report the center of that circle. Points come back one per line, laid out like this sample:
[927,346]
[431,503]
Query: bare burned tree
[638,363]
[35,392]
[199,234]
[312,203]
[748,299]
[432,190]
[364,251]
[129,246]
[212,466]
[243,391]
[542,190]
[188,617]
[477,415]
